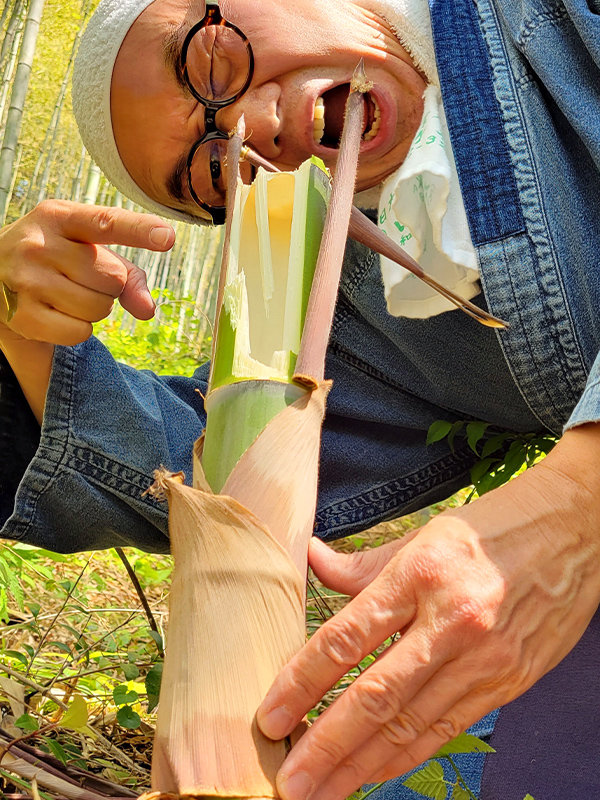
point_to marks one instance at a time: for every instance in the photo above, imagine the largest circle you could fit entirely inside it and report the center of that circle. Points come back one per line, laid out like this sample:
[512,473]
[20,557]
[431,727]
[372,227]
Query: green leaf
[475,431]
[76,716]
[479,469]
[528,797]
[464,743]
[458,793]
[153,681]
[34,608]
[438,430]
[128,718]
[494,443]
[130,671]
[27,723]
[452,435]
[122,695]
[56,749]
[429,781]
[158,639]
[15,654]
[61,646]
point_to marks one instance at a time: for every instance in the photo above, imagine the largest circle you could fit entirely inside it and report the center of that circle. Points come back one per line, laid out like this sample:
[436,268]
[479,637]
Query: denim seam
[539,20]
[537,228]
[101,469]
[63,388]
[400,491]
[548,278]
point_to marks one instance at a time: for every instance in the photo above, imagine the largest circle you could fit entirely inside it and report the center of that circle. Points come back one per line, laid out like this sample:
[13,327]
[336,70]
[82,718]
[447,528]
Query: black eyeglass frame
[213,16]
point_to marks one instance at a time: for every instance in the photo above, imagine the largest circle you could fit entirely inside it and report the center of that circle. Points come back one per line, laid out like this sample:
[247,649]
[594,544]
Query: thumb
[136,297]
[349,573]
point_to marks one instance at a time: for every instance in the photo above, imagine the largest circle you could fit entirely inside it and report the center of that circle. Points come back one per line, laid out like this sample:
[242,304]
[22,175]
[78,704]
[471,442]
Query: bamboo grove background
[42,156]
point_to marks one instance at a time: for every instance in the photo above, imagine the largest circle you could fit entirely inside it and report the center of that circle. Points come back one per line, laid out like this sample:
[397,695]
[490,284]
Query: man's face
[305,53]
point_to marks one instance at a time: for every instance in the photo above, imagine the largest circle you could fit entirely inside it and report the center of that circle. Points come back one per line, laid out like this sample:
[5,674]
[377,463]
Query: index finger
[105,225]
[340,644]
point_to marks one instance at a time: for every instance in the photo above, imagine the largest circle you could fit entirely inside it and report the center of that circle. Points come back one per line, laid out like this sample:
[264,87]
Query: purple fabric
[548,740]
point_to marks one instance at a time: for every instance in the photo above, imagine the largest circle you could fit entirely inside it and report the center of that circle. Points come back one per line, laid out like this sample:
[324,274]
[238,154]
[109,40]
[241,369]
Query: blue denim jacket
[520,86]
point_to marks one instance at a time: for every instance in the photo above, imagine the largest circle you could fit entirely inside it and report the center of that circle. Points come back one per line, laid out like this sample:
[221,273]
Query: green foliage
[159,344]
[429,781]
[502,455]
[76,716]
[464,743]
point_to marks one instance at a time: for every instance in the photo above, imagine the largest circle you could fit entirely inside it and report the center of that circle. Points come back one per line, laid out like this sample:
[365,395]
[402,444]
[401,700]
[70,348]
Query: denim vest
[520,87]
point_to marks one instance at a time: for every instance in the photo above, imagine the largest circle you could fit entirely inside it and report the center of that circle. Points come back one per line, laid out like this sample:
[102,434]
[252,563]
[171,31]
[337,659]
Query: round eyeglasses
[217,65]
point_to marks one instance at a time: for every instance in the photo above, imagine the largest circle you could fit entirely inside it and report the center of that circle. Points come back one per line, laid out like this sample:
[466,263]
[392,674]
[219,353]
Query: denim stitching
[567,358]
[539,20]
[383,501]
[64,391]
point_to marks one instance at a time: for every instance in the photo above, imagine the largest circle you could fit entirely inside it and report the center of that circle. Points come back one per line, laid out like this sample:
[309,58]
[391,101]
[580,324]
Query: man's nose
[260,108]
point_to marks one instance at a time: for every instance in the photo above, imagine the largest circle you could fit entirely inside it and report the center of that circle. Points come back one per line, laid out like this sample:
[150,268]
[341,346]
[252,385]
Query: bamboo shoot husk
[262,525]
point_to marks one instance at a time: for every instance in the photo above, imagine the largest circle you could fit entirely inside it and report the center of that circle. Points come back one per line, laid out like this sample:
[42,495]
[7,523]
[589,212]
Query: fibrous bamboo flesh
[237,602]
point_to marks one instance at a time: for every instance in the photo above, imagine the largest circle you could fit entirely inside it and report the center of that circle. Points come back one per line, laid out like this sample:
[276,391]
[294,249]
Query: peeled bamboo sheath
[240,574]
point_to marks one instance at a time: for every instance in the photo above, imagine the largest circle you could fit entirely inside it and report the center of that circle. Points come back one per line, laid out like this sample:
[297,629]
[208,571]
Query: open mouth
[328,117]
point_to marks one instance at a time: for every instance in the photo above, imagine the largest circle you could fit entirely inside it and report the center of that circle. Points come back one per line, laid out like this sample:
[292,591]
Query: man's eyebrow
[172,45]
[175,179]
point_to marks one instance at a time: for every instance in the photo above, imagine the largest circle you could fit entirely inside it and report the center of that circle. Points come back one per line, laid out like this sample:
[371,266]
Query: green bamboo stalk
[15,113]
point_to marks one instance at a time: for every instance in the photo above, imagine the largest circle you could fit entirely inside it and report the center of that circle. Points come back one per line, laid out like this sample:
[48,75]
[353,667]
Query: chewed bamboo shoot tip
[360,82]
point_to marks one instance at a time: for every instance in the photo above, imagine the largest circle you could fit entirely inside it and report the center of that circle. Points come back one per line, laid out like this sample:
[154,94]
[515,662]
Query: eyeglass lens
[218,63]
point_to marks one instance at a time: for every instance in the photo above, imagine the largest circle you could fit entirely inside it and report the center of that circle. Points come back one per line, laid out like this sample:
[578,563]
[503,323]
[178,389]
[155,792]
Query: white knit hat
[92,77]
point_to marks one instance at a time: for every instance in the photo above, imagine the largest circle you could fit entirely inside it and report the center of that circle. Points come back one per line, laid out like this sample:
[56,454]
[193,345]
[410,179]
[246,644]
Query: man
[488,597]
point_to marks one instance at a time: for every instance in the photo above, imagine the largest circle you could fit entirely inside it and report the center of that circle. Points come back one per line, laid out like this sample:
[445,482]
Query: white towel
[420,205]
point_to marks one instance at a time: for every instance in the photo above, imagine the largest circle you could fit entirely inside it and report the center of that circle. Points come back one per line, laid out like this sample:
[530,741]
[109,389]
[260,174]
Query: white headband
[92,77]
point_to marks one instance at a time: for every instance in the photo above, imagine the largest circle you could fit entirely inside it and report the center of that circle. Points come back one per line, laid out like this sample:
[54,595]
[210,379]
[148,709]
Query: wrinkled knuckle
[53,210]
[375,699]
[31,246]
[327,751]
[446,728]
[105,220]
[305,688]
[474,617]
[342,643]
[430,566]
[352,772]
[405,728]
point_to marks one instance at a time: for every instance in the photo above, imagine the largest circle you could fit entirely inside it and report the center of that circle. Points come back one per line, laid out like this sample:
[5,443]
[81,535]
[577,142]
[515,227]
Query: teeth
[319,120]
[372,132]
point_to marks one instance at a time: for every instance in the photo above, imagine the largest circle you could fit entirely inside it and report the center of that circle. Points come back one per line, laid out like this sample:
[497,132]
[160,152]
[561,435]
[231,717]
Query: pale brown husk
[236,608]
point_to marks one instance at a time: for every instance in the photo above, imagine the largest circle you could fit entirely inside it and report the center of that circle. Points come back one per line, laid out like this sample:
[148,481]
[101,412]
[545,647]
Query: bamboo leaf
[56,749]
[429,781]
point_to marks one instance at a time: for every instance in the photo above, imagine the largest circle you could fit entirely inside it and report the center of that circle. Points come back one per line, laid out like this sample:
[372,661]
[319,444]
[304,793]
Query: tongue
[335,103]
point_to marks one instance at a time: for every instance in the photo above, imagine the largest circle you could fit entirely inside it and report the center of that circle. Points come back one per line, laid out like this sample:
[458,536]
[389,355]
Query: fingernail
[298,786]
[277,723]
[160,236]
